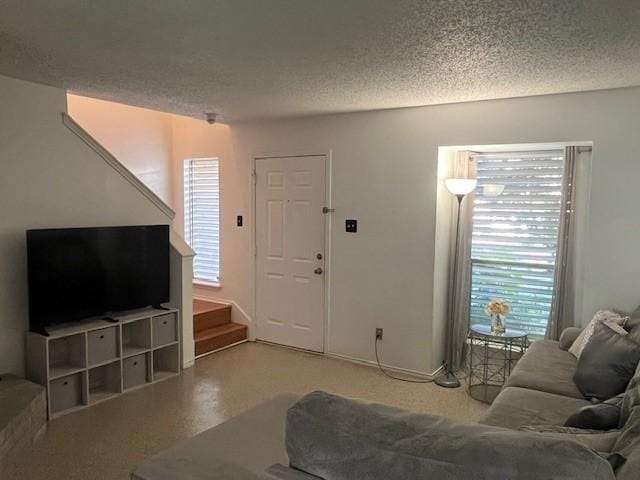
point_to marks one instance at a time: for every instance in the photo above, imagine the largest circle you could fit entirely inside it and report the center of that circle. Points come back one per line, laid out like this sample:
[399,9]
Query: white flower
[497,306]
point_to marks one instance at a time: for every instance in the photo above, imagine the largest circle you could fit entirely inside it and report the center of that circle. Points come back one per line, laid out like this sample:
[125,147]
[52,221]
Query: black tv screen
[78,273]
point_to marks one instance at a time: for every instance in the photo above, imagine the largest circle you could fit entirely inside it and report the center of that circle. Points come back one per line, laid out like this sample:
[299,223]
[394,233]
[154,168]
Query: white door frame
[327,239]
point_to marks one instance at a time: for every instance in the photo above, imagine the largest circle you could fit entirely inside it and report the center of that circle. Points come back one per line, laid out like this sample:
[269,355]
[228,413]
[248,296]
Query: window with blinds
[202,216]
[515,235]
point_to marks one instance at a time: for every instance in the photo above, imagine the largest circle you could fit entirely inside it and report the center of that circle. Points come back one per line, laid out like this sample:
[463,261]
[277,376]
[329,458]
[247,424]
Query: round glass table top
[485,330]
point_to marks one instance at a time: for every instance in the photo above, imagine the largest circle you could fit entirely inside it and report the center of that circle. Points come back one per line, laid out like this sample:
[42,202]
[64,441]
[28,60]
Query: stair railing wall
[181,255]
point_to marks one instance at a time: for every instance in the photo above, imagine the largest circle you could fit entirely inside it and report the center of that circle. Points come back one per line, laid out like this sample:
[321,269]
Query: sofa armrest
[568,336]
[280,472]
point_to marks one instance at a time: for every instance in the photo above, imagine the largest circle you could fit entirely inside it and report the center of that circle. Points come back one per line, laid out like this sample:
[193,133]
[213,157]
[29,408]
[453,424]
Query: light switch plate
[351,226]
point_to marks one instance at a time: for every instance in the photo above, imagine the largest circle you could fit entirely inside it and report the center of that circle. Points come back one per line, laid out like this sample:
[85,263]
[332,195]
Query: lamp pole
[459,187]
[449,379]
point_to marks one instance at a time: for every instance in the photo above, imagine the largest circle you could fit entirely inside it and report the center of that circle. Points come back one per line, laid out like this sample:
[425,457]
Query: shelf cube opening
[104,381]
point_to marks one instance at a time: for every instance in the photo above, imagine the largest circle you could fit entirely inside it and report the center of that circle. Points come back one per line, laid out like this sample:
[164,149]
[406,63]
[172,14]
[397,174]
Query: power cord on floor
[387,374]
[392,376]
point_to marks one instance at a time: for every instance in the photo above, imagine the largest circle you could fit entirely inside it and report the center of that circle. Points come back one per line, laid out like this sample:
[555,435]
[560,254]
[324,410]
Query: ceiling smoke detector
[211,118]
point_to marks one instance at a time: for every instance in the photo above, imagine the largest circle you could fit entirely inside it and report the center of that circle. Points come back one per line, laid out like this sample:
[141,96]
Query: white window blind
[202,216]
[515,236]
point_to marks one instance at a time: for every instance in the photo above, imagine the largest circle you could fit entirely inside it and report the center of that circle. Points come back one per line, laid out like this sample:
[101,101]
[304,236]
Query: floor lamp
[458,187]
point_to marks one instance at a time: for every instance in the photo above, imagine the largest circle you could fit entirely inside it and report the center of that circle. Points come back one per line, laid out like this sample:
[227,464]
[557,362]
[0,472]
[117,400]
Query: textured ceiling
[248,59]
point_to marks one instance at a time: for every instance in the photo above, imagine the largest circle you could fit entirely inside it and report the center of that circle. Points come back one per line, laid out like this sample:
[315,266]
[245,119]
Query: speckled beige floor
[106,441]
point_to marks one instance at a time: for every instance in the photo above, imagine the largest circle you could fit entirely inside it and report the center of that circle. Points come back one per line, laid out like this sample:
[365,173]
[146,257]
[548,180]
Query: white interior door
[290,195]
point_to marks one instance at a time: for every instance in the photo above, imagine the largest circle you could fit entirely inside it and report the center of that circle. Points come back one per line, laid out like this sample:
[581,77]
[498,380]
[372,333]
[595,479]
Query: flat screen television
[76,273]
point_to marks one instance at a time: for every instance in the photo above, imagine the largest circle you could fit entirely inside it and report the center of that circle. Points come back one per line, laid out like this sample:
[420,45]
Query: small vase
[498,324]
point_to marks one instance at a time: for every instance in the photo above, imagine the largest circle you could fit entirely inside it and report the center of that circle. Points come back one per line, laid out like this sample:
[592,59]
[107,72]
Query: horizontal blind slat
[519,226]
[202,212]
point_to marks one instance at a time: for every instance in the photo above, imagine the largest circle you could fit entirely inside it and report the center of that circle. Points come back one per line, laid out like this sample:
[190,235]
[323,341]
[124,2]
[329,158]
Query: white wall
[154,145]
[385,175]
[197,139]
[140,139]
[443,244]
[48,178]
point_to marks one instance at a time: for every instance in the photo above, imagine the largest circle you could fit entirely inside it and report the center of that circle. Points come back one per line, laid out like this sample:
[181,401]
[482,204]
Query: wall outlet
[378,334]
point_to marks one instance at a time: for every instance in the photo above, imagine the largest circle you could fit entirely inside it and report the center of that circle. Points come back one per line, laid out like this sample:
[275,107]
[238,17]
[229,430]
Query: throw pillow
[606,364]
[633,325]
[602,416]
[600,316]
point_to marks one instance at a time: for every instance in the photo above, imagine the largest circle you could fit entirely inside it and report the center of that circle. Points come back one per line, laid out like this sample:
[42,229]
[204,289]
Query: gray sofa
[540,391]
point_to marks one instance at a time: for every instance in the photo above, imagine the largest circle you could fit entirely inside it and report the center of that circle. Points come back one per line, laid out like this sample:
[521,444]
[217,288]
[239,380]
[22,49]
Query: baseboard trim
[390,368]
[360,361]
[288,347]
[188,364]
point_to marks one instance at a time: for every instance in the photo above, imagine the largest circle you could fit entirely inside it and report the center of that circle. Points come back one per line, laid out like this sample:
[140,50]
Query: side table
[491,358]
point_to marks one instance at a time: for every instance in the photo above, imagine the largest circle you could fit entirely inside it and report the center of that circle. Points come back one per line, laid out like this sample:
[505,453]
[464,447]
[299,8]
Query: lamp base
[448,380]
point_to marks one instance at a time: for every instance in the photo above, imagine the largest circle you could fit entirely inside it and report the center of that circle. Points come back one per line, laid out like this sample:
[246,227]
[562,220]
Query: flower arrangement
[497,306]
[497,309]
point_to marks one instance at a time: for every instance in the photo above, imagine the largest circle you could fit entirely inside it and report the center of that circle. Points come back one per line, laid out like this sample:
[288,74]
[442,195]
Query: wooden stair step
[207,315]
[219,337]
[201,306]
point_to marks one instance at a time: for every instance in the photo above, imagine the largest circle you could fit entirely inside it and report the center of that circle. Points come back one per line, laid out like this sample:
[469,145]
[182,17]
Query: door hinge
[328,210]
[254,175]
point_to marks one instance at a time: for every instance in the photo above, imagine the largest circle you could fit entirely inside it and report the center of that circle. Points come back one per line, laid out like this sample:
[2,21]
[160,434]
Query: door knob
[319,256]
[318,271]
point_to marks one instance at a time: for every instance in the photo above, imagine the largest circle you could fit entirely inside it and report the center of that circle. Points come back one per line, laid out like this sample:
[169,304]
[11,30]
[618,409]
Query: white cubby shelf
[84,363]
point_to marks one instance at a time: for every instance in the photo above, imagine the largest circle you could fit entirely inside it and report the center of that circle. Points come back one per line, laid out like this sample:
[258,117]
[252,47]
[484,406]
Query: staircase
[213,328]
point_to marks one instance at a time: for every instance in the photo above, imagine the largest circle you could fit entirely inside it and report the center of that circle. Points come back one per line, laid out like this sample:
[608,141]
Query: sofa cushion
[547,368]
[630,398]
[568,337]
[516,407]
[598,440]
[601,416]
[628,443]
[607,364]
[341,439]
[280,472]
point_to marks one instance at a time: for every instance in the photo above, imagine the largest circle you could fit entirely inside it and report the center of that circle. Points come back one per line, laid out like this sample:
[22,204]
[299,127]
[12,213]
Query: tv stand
[83,363]
[160,307]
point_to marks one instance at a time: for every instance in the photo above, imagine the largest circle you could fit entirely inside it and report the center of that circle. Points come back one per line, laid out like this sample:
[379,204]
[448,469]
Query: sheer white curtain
[459,294]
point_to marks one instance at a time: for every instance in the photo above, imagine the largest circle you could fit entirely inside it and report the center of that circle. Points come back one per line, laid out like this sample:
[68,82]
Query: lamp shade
[492,189]
[460,186]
